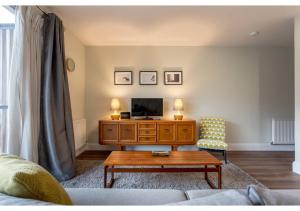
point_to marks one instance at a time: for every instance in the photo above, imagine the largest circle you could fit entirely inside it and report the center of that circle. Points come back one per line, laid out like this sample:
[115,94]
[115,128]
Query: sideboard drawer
[147,132]
[147,139]
[147,125]
[109,132]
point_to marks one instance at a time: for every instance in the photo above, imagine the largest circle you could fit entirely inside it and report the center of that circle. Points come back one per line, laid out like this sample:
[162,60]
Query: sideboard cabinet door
[185,132]
[109,133]
[165,132]
[128,132]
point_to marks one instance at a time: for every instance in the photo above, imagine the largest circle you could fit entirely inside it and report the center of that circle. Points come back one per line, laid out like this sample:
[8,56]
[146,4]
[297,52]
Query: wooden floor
[273,169]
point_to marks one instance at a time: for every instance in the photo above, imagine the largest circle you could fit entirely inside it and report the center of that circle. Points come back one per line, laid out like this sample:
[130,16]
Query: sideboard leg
[174,148]
[122,148]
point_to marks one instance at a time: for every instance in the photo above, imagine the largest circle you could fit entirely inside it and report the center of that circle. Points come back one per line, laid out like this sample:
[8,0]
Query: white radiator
[283,131]
[79,133]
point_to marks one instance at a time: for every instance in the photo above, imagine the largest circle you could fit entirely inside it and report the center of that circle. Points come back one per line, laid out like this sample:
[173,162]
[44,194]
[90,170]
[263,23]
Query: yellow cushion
[21,178]
[212,144]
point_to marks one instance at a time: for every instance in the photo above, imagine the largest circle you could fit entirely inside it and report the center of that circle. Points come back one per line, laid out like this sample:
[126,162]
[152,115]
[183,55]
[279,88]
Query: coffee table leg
[219,177]
[112,179]
[219,172]
[209,182]
[105,176]
[112,174]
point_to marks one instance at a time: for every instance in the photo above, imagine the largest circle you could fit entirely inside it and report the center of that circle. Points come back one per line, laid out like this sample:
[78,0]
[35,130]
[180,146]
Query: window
[7,20]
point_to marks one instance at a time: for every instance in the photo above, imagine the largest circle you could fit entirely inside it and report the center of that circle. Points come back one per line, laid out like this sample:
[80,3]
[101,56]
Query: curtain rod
[42,10]
[47,14]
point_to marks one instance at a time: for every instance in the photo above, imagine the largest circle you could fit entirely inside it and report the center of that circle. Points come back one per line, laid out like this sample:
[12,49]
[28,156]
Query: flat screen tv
[145,107]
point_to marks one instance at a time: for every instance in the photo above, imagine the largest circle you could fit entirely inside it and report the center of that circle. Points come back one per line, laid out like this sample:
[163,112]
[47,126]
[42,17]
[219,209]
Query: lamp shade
[178,105]
[115,104]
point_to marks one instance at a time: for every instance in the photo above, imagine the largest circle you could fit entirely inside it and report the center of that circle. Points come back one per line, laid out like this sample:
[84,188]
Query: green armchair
[212,136]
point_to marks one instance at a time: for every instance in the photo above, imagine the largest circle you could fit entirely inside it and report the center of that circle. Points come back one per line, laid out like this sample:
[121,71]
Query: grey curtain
[56,143]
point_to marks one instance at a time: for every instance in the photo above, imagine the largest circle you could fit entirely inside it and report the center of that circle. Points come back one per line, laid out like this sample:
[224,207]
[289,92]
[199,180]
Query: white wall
[296,164]
[246,86]
[76,50]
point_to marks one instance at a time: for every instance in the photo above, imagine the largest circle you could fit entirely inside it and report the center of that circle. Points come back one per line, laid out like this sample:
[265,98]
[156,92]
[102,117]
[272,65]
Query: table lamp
[178,107]
[115,107]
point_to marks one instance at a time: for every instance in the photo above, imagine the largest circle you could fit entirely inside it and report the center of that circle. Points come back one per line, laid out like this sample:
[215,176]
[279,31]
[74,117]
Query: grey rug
[90,175]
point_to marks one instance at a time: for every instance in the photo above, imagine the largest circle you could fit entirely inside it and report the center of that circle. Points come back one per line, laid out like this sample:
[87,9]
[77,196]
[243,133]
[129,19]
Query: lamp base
[178,116]
[115,116]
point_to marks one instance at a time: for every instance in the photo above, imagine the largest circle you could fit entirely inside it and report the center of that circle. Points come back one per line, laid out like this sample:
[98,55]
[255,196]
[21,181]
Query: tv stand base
[147,132]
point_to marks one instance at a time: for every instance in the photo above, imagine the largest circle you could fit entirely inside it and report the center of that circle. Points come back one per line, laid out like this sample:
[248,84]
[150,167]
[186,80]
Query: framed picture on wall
[148,77]
[173,77]
[123,78]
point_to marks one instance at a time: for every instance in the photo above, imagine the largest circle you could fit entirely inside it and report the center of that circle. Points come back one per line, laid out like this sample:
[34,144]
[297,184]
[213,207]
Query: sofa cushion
[262,196]
[227,197]
[193,194]
[21,178]
[101,196]
[15,201]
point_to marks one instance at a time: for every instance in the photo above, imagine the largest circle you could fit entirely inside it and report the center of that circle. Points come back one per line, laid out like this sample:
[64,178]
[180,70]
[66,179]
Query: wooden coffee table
[123,159]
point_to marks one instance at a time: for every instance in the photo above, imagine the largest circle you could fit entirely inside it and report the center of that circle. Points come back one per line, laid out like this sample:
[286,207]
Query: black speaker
[125,115]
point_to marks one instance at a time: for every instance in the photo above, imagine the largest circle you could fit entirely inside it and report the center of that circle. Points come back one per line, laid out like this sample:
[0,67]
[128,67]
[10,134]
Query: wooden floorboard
[93,155]
[273,169]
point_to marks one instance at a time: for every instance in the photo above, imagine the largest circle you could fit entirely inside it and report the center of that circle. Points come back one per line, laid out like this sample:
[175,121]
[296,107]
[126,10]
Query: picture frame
[173,78]
[148,78]
[123,77]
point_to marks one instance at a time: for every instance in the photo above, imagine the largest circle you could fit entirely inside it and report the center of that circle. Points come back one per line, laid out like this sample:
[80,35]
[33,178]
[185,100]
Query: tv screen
[147,106]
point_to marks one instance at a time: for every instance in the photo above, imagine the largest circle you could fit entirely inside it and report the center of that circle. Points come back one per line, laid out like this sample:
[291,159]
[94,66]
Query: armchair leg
[224,153]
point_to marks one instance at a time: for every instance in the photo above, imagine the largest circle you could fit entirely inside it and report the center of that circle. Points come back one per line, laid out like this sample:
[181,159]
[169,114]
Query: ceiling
[180,25]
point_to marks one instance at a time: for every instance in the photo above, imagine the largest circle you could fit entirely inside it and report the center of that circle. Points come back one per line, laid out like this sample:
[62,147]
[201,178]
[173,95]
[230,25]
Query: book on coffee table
[160,153]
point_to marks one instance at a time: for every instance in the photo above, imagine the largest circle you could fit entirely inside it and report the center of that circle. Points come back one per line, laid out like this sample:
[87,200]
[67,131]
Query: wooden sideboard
[147,132]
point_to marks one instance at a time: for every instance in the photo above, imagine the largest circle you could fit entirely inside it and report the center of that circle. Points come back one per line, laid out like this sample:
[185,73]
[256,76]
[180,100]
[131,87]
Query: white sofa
[99,196]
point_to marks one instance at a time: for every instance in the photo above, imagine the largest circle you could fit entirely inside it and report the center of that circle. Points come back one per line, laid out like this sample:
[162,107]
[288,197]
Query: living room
[155,104]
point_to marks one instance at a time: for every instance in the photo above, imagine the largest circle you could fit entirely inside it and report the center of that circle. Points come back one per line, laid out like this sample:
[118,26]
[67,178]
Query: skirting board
[231,147]
[259,147]
[296,167]
[80,150]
